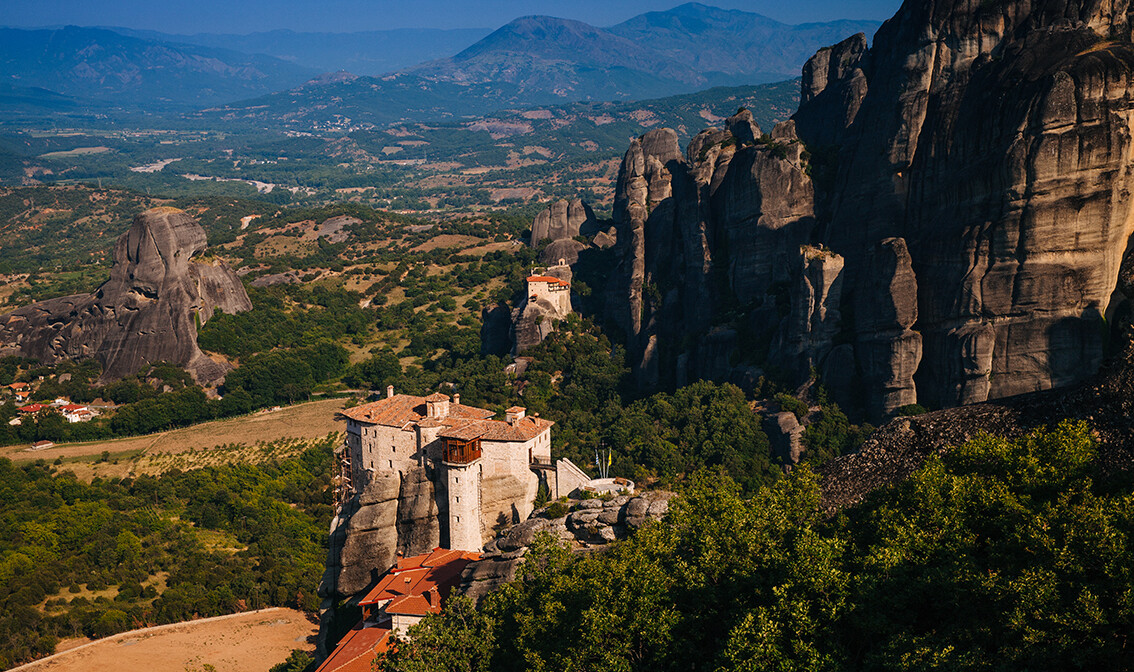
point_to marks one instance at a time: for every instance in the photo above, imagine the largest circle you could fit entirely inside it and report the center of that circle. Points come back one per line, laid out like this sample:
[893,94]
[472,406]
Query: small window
[458,500]
[456,479]
[458,519]
[391,463]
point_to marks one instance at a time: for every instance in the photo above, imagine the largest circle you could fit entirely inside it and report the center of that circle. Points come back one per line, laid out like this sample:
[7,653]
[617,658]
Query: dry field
[248,642]
[257,437]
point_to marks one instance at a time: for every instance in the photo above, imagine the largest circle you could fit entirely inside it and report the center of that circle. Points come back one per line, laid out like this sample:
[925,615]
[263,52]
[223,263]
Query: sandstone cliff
[147,312]
[393,514]
[971,170]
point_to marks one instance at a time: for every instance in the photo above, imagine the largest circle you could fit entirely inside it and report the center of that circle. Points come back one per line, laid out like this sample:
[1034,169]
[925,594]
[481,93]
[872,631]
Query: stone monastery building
[482,467]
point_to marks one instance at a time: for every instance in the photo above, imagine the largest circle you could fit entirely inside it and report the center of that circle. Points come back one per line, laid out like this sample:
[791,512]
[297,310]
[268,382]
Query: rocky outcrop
[710,232]
[786,436]
[895,450]
[562,220]
[588,524]
[972,171]
[147,312]
[392,515]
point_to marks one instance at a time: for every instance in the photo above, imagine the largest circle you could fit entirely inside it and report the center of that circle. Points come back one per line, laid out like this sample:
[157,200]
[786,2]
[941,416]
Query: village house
[76,413]
[471,456]
[412,589]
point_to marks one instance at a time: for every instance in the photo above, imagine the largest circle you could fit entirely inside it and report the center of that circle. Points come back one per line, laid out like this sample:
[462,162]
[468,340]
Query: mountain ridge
[541,60]
[106,66]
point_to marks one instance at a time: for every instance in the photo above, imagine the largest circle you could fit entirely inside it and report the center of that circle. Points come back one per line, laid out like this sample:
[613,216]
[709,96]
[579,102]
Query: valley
[697,341]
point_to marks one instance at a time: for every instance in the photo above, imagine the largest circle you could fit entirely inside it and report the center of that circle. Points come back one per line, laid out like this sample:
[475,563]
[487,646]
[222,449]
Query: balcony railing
[537,462]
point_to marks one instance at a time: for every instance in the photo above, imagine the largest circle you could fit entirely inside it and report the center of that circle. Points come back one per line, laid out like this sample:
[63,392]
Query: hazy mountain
[373,52]
[104,65]
[689,47]
[542,60]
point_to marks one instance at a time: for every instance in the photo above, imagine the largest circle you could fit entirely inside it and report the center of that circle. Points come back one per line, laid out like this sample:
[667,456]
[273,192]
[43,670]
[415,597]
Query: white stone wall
[383,448]
[556,294]
[400,623]
[464,482]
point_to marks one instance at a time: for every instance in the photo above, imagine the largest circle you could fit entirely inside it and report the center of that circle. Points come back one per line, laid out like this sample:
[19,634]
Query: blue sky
[243,16]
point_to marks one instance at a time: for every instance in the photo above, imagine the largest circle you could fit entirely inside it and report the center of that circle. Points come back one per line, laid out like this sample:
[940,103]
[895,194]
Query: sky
[246,16]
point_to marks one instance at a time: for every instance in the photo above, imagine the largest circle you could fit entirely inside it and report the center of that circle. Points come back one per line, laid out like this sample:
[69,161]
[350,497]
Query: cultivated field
[248,642]
[257,437]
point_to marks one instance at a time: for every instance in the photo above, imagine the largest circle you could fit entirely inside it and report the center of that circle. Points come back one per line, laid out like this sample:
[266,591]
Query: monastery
[485,470]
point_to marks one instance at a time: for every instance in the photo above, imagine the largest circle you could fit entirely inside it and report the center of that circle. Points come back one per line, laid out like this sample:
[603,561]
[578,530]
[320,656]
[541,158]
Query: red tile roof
[416,605]
[524,429]
[357,650]
[438,571]
[463,422]
[34,408]
[18,386]
[548,279]
[403,409]
[71,408]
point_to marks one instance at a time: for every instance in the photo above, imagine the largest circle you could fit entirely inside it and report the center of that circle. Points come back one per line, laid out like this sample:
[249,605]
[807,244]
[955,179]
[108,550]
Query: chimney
[457,398]
[514,415]
[389,391]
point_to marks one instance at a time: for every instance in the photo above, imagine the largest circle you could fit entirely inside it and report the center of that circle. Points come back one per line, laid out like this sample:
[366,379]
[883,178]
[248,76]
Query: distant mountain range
[375,52]
[102,65]
[536,60]
[540,60]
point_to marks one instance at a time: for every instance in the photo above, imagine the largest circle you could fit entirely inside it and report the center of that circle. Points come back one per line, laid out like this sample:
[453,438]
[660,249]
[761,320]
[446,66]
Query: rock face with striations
[560,223]
[972,169]
[147,312]
[393,514]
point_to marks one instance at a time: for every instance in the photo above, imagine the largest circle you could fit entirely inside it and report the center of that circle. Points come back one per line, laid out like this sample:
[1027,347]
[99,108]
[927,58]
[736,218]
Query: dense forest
[79,559]
[1001,555]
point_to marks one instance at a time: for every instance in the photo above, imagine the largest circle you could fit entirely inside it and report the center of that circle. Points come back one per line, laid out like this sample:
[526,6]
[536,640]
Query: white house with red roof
[476,456]
[76,413]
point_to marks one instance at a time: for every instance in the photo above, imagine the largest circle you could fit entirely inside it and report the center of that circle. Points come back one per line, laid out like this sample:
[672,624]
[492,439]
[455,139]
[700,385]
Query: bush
[911,409]
[557,510]
[791,404]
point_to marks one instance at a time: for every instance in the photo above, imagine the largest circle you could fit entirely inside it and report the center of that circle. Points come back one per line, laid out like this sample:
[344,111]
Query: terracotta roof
[70,408]
[548,279]
[34,408]
[402,409]
[525,429]
[437,396]
[416,605]
[18,386]
[357,650]
[439,570]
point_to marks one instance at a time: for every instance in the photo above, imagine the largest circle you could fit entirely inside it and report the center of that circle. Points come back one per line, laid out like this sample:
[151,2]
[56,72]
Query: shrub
[790,403]
[557,510]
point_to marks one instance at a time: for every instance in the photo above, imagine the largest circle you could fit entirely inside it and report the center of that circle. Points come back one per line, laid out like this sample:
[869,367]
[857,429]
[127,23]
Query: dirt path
[249,642]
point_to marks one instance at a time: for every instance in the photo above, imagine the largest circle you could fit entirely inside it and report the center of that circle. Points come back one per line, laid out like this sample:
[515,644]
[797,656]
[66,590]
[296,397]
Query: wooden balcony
[455,451]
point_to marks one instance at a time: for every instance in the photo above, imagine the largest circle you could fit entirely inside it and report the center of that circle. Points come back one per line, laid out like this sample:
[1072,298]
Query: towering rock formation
[147,312]
[972,170]
[560,223]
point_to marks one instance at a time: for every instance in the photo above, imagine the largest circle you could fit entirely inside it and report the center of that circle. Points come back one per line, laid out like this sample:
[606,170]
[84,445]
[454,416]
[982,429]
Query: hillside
[108,67]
